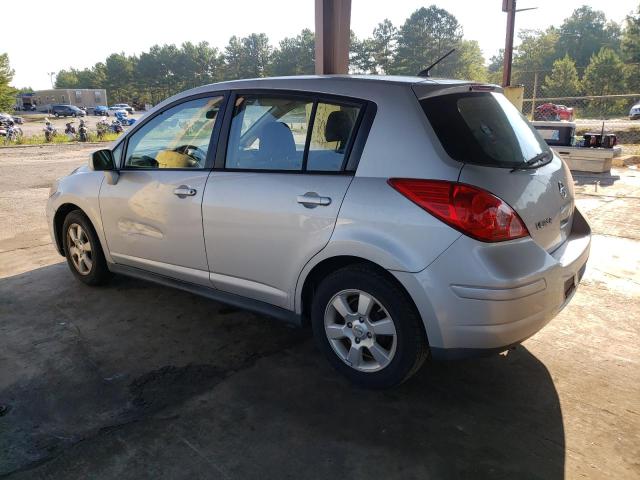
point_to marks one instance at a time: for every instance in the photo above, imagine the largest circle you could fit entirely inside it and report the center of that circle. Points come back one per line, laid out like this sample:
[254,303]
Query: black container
[557,134]
[593,140]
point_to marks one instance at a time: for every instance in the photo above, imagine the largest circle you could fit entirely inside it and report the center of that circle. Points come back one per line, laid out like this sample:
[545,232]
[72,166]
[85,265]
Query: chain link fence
[543,101]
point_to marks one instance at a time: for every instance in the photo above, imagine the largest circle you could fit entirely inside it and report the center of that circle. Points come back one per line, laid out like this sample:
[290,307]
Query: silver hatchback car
[403,218]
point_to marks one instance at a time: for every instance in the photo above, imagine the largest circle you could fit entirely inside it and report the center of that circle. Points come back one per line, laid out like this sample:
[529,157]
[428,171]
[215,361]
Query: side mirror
[103,160]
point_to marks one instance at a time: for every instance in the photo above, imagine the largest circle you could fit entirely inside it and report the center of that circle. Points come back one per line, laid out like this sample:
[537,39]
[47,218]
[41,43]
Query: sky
[135,25]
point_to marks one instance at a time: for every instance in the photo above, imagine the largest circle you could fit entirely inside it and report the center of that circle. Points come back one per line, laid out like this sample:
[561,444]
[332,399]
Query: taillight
[471,210]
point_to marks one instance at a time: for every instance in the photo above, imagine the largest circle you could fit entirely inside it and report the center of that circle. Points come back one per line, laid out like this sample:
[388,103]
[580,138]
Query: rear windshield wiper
[532,162]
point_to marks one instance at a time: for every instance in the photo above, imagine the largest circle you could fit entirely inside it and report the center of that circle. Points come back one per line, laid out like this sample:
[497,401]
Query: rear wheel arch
[332,264]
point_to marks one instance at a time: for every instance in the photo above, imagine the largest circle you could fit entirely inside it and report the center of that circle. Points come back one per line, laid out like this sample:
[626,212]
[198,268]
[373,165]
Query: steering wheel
[192,151]
[196,154]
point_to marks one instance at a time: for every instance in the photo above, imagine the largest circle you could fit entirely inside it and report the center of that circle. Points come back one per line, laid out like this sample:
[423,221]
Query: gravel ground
[138,381]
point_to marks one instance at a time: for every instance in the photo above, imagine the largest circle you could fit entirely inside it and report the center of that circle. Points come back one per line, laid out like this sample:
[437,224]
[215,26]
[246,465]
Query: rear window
[483,128]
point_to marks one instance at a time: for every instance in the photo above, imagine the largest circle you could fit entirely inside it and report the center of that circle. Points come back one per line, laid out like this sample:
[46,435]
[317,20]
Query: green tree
[632,78]
[7,92]
[199,64]
[257,55]
[584,33]
[496,62]
[630,44]
[563,80]
[426,35]
[66,79]
[468,62]
[604,76]
[536,51]
[361,55]
[384,44]
[233,59]
[295,55]
[119,76]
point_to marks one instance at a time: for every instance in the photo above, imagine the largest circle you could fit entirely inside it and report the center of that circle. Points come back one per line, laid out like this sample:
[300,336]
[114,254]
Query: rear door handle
[185,191]
[312,200]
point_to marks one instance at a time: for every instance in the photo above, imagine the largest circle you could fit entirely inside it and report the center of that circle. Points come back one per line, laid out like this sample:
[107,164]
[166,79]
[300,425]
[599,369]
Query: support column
[333,19]
[508,6]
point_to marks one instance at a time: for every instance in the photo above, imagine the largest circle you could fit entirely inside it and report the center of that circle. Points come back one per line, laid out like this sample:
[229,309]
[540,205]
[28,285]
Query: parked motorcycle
[102,127]
[116,127]
[12,133]
[70,130]
[49,130]
[83,131]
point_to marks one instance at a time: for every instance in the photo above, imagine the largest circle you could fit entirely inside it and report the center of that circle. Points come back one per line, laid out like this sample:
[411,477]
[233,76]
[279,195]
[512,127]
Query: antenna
[425,72]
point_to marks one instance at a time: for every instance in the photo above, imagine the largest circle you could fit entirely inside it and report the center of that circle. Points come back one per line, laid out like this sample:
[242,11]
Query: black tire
[99,274]
[411,341]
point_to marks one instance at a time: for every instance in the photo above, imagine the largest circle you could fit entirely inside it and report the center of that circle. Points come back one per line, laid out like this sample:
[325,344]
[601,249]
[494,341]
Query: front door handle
[185,191]
[312,200]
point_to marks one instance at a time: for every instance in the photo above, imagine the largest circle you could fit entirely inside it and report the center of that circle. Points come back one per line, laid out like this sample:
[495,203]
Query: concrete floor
[139,381]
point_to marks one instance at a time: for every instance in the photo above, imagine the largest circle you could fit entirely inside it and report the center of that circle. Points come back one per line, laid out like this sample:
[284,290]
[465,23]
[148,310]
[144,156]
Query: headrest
[338,127]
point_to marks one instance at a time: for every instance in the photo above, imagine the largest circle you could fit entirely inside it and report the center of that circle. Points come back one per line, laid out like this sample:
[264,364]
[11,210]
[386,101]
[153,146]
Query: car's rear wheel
[367,327]
[83,250]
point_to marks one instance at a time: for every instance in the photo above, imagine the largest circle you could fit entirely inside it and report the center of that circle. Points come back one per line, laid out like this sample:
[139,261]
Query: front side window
[282,134]
[177,138]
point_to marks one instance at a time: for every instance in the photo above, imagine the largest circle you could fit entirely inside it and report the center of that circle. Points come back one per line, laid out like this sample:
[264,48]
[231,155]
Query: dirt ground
[138,381]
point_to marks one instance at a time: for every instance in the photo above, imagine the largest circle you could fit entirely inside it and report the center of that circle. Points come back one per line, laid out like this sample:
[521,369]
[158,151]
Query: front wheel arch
[58,222]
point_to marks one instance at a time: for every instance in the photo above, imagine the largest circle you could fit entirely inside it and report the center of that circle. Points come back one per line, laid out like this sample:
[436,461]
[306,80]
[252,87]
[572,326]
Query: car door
[272,201]
[152,215]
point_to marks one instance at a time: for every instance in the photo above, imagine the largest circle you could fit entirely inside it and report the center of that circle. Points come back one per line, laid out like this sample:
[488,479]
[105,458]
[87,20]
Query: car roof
[357,78]
[357,86]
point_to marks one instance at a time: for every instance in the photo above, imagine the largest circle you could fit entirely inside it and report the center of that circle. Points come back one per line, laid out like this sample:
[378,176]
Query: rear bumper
[478,297]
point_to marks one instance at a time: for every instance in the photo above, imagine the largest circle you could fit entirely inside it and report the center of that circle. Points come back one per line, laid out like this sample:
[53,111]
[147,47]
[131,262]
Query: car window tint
[177,138]
[483,128]
[333,128]
[268,133]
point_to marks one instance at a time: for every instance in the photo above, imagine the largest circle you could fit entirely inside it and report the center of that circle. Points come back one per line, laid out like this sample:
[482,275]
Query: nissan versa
[403,218]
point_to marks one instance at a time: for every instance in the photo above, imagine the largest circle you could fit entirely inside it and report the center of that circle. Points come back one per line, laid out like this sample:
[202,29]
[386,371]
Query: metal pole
[535,91]
[510,7]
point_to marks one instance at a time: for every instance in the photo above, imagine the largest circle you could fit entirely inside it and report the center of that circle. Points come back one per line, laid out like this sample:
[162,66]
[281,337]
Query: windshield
[484,128]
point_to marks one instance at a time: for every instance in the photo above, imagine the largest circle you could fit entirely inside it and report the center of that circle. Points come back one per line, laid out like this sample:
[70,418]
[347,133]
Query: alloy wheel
[360,330]
[79,248]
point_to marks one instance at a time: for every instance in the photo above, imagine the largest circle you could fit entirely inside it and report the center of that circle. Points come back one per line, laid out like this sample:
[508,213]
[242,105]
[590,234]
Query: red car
[551,111]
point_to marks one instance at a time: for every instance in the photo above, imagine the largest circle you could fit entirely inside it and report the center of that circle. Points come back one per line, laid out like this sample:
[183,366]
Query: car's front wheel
[83,250]
[368,327]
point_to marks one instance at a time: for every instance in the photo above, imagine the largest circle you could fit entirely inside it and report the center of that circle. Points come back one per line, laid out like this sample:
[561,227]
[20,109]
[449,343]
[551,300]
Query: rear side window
[294,134]
[333,129]
[483,128]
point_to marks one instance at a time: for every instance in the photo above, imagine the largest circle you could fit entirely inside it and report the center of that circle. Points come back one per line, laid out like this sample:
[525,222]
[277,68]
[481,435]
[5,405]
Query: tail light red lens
[471,210]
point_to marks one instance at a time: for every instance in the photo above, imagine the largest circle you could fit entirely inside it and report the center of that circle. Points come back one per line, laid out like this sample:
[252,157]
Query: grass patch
[61,138]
